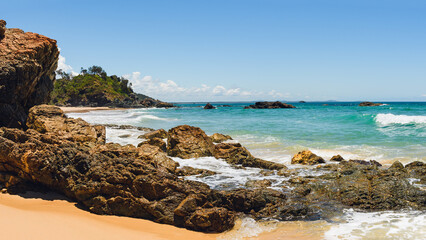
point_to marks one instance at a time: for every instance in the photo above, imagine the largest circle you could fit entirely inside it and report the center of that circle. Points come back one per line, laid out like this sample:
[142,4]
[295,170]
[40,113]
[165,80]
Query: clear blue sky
[242,49]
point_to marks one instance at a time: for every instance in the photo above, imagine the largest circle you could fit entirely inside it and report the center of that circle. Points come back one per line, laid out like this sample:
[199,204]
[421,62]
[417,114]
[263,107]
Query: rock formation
[160,133]
[28,62]
[369,104]
[189,142]
[143,181]
[218,137]
[306,157]
[269,105]
[209,106]
[2,29]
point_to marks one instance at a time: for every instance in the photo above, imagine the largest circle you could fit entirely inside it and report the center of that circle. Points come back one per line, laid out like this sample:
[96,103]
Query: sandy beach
[40,216]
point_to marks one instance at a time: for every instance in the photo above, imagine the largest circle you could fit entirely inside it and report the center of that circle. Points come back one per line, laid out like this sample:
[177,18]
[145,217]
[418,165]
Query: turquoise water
[394,131]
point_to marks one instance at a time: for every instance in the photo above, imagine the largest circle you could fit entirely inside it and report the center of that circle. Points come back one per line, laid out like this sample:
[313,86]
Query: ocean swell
[386,119]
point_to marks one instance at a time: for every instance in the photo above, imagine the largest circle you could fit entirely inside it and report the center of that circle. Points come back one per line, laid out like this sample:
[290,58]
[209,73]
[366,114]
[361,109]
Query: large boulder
[269,105]
[234,153]
[51,119]
[307,158]
[189,142]
[28,62]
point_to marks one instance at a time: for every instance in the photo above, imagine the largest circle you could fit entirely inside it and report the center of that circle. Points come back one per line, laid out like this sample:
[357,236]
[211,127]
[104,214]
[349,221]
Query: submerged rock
[218,137]
[269,105]
[307,158]
[28,62]
[209,106]
[369,104]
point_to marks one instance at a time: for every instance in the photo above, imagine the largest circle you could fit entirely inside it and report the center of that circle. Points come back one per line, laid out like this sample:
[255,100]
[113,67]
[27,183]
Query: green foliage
[90,87]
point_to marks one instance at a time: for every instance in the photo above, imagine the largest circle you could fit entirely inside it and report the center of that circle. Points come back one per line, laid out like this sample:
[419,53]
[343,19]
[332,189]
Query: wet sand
[44,217]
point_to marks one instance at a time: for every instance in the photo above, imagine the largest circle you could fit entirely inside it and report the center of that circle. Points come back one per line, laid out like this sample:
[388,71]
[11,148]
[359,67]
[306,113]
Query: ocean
[395,131]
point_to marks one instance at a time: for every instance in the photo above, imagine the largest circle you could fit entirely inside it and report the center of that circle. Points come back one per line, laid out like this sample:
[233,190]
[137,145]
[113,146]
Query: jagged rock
[160,133]
[258,183]
[189,142]
[307,158]
[234,153]
[218,137]
[28,62]
[369,187]
[51,119]
[209,106]
[155,142]
[337,158]
[269,105]
[363,162]
[188,171]
[2,28]
[369,104]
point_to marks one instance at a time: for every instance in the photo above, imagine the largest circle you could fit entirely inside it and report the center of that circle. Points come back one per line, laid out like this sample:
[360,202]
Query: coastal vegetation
[93,87]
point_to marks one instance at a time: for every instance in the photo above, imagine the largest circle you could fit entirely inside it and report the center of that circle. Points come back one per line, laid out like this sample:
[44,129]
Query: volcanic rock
[369,104]
[209,106]
[28,62]
[307,158]
[218,137]
[269,105]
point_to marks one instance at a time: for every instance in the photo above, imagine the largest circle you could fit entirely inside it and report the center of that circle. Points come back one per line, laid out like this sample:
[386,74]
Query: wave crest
[385,119]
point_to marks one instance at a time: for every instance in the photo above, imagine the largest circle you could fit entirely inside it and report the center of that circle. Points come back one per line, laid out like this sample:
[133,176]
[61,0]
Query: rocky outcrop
[2,28]
[28,62]
[209,106]
[143,181]
[160,133]
[269,105]
[369,104]
[337,158]
[189,142]
[234,153]
[155,142]
[218,137]
[307,158]
[51,119]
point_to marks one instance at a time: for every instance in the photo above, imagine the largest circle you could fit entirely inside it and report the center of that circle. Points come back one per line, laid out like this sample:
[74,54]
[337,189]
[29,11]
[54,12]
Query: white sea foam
[379,225]
[385,119]
[247,228]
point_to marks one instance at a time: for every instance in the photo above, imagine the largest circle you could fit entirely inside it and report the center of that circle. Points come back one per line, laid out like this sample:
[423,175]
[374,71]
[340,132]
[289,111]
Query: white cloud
[172,91]
[424,95]
[65,67]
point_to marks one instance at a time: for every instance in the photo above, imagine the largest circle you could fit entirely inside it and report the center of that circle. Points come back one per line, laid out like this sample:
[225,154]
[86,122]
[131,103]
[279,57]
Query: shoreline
[51,216]
[89,109]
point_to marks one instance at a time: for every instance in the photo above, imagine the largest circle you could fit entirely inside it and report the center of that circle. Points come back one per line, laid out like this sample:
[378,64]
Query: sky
[241,50]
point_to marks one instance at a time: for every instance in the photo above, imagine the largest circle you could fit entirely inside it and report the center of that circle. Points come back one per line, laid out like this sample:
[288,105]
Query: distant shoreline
[88,109]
